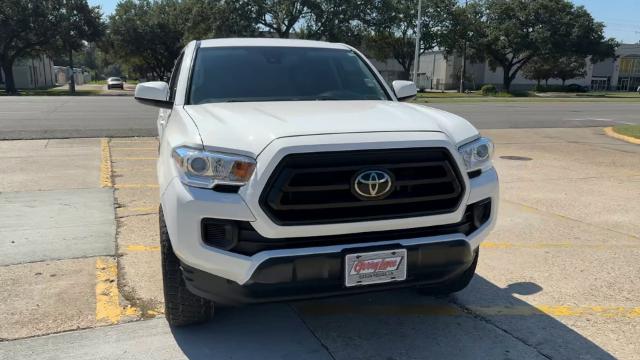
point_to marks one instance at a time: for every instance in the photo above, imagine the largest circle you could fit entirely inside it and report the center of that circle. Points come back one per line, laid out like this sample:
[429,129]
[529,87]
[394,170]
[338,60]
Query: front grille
[316,188]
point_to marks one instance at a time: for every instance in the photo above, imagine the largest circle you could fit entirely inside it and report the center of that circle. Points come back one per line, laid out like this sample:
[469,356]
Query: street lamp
[416,58]
[464,56]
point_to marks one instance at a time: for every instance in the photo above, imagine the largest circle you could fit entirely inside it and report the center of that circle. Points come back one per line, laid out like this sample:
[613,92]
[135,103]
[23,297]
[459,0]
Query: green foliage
[393,28]
[570,67]
[539,68]
[147,35]
[558,88]
[488,89]
[38,26]
[510,33]
[343,21]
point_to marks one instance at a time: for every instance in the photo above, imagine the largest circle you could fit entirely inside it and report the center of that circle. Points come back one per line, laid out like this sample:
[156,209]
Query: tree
[394,29]
[26,29]
[570,67]
[279,16]
[539,68]
[337,20]
[216,18]
[513,32]
[76,24]
[146,35]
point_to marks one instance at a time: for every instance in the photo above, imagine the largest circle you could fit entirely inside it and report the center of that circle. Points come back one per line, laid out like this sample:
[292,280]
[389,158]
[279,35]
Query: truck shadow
[482,322]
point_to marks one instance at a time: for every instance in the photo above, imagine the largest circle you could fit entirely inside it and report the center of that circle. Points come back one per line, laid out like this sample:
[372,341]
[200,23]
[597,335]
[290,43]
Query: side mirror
[154,93]
[405,90]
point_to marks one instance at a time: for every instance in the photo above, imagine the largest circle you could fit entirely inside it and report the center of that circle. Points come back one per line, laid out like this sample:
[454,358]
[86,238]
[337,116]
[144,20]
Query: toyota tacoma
[289,169]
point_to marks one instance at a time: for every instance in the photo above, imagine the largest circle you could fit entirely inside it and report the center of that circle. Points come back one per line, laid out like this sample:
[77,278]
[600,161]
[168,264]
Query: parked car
[288,169]
[115,83]
[577,88]
[638,89]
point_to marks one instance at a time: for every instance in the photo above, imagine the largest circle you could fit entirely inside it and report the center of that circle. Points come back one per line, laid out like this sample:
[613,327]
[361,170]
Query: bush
[488,89]
[549,88]
[560,88]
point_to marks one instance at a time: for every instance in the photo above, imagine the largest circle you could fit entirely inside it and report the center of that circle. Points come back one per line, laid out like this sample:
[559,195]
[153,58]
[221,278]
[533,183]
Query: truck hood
[249,127]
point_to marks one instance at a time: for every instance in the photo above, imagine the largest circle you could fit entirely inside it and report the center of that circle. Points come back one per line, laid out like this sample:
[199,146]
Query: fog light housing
[221,234]
[481,212]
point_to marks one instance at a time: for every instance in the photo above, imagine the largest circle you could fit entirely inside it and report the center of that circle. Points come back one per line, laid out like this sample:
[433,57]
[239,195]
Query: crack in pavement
[487,321]
[324,346]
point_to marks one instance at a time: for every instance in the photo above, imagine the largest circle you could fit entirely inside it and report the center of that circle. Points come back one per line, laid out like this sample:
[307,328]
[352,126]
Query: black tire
[452,286]
[181,307]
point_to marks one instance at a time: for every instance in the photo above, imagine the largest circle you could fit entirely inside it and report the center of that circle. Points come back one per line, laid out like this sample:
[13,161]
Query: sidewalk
[56,225]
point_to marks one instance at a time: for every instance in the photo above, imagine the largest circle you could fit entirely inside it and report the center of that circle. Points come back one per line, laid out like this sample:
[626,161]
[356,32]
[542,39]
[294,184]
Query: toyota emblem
[372,184]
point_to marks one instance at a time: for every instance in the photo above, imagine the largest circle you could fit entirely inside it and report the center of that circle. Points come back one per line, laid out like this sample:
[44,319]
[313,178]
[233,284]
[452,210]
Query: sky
[622,17]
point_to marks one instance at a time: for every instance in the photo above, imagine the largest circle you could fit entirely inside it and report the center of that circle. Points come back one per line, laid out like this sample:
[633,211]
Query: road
[118,116]
[47,117]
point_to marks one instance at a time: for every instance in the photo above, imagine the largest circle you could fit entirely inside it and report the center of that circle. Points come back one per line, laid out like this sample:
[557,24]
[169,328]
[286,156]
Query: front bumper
[313,275]
[185,207]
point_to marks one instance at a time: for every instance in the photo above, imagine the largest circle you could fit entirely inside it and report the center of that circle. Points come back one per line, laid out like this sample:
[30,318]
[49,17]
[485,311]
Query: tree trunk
[563,81]
[72,82]
[546,82]
[506,79]
[9,82]
[538,82]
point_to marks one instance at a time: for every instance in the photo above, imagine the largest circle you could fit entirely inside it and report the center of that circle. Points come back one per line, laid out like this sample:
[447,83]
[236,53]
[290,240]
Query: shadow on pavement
[483,321]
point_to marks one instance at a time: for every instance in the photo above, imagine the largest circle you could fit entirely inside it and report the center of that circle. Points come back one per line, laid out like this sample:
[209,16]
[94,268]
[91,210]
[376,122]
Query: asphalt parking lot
[557,279]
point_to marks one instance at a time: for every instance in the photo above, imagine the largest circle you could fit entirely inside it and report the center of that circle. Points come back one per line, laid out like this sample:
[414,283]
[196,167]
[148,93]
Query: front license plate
[375,267]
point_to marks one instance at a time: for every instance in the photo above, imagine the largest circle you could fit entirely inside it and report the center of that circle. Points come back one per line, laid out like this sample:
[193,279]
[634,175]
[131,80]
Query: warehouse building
[440,72]
[32,73]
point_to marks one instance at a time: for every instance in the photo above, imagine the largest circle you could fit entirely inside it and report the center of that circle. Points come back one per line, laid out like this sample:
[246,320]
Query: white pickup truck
[288,169]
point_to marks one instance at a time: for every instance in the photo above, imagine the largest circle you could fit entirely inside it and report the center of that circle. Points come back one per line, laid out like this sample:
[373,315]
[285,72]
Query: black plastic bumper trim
[320,275]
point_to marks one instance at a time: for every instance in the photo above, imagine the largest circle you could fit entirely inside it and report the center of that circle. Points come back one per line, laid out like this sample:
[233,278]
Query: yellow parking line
[136,186]
[108,309]
[508,245]
[142,209]
[121,170]
[134,141]
[105,164]
[134,158]
[107,294]
[139,248]
[451,310]
[485,245]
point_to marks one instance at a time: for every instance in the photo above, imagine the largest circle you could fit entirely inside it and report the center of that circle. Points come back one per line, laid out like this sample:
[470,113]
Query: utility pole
[464,56]
[416,58]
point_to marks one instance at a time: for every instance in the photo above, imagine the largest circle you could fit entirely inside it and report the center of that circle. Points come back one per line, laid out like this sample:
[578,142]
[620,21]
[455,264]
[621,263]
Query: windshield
[235,74]
[114,79]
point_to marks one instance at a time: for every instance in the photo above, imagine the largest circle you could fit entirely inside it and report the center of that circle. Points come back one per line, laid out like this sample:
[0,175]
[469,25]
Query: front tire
[452,286]
[181,307]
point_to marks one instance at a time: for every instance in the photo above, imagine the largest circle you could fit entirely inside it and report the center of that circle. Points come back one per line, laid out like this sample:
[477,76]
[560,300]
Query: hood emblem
[372,184]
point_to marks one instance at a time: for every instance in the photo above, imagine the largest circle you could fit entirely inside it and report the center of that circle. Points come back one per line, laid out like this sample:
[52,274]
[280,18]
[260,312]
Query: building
[440,72]
[63,75]
[32,73]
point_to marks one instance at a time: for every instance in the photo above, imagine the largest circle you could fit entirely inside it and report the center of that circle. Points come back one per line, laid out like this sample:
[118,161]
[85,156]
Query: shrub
[519,93]
[488,89]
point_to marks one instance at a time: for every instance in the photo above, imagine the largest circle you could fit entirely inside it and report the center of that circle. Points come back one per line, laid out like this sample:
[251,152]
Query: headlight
[205,169]
[477,154]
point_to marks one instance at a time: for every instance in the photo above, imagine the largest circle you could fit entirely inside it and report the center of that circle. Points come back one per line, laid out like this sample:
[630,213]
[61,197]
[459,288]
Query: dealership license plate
[375,267]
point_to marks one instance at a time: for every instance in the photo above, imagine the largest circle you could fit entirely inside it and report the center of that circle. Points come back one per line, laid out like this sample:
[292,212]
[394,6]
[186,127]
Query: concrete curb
[610,132]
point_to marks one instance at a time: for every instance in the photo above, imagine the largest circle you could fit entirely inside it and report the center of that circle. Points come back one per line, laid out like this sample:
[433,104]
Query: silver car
[115,82]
